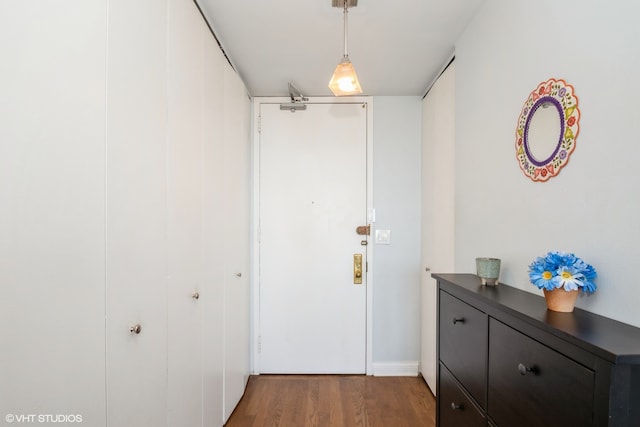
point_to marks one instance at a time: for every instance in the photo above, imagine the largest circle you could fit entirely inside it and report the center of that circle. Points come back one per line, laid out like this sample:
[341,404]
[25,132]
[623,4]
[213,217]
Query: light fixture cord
[346,12]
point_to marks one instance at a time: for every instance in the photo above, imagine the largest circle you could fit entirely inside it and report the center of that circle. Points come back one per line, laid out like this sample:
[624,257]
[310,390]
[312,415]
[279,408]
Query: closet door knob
[135,329]
[238,274]
[195,295]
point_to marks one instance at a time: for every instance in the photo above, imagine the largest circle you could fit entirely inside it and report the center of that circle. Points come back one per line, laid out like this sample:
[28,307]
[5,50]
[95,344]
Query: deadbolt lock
[363,230]
[357,269]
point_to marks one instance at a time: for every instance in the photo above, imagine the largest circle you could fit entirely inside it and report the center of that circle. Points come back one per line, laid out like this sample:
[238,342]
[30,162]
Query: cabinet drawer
[463,344]
[455,408]
[532,385]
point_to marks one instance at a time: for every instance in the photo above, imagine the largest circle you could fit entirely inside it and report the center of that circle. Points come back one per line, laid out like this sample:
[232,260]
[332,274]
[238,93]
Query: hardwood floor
[334,401]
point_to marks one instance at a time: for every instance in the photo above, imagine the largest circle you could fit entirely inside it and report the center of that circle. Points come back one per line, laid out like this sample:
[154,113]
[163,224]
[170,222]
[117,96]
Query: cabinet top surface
[612,340]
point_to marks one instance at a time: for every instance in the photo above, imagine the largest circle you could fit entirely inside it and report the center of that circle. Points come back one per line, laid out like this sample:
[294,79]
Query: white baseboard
[407,368]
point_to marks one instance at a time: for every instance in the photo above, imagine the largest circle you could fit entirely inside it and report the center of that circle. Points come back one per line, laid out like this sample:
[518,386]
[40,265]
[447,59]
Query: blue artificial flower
[555,259]
[569,278]
[588,271]
[562,270]
[540,275]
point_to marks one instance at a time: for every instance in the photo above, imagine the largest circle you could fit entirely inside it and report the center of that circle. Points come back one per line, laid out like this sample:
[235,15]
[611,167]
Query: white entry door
[312,199]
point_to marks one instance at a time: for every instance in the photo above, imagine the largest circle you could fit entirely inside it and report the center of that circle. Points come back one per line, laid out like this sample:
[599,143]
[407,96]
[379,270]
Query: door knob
[135,329]
[195,295]
[238,274]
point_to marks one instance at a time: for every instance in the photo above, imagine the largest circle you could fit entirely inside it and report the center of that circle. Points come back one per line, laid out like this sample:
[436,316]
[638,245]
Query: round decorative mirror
[547,129]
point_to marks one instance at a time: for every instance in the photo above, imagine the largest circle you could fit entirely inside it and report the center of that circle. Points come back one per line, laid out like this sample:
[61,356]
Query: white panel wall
[123,157]
[52,210]
[136,213]
[185,90]
[212,286]
[591,208]
[236,238]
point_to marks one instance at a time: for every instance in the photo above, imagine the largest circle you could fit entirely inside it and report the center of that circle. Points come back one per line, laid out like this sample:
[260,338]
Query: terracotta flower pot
[560,300]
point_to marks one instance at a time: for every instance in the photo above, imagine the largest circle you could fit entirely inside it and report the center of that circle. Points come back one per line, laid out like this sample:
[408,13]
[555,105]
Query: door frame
[255,219]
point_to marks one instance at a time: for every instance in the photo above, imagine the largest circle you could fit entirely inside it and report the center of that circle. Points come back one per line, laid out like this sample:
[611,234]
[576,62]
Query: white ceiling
[397,47]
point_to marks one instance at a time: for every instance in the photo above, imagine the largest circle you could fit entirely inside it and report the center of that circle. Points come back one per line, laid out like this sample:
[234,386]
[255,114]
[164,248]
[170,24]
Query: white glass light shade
[344,80]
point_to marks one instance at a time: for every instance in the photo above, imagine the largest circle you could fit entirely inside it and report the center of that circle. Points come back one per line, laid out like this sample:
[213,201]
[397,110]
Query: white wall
[591,208]
[52,209]
[396,267]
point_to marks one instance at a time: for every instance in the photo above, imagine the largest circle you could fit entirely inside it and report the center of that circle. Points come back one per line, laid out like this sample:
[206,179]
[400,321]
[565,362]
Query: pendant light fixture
[344,80]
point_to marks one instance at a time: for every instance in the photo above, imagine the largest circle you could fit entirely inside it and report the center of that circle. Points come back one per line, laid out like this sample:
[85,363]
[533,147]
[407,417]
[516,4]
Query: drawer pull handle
[458,320]
[524,369]
[457,407]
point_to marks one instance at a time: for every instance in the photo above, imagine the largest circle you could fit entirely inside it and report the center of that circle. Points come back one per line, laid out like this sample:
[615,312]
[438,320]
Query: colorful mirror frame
[559,94]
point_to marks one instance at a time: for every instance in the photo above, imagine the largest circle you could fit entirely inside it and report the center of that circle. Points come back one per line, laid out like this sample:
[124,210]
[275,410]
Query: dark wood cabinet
[455,407]
[505,360]
[526,376]
[464,332]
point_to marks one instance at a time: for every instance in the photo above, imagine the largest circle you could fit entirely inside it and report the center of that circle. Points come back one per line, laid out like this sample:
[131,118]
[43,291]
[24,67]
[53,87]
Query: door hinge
[259,124]
[259,344]
[366,266]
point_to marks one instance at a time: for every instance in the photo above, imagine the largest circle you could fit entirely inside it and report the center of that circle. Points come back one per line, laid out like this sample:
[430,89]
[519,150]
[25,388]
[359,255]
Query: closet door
[438,148]
[52,213]
[185,187]
[212,295]
[236,239]
[136,206]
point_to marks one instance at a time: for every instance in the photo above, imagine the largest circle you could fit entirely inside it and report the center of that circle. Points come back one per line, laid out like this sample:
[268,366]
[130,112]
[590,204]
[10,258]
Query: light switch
[383,237]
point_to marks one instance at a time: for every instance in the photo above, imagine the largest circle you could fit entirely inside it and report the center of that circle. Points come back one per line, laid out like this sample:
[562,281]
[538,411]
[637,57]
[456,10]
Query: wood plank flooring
[334,401]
